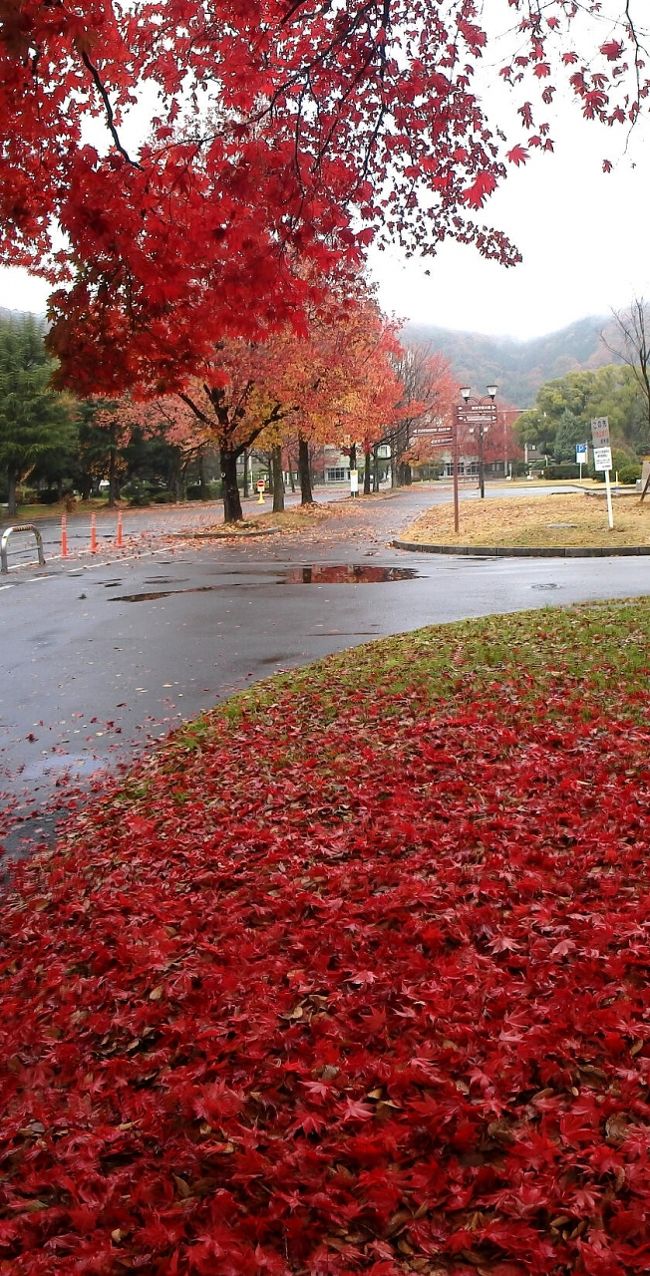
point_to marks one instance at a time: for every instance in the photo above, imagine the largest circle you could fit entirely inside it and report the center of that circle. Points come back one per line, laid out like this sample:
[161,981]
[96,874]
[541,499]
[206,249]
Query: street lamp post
[478,422]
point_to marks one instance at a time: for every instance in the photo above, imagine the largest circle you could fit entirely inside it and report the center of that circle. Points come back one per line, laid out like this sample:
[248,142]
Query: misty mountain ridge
[519,367]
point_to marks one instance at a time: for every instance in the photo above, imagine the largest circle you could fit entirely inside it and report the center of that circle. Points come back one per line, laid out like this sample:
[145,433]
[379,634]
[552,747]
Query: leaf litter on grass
[372,998]
[548,521]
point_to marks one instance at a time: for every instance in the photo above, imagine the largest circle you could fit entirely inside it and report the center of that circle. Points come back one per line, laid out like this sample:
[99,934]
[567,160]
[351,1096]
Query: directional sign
[581,453]
[600,431]
[478,413]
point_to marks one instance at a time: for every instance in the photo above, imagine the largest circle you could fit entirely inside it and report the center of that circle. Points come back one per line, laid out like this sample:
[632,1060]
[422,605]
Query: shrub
[212,492]
[48,496]
[137,493]
[561,470]
[163,498]
[629,473]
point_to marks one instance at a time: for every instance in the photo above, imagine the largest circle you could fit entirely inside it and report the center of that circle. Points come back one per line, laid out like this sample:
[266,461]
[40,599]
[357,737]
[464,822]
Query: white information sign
[602,458]
[600,432]
[354,482]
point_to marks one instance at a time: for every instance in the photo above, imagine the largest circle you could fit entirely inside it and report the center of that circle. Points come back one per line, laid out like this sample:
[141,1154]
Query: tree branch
[110,116]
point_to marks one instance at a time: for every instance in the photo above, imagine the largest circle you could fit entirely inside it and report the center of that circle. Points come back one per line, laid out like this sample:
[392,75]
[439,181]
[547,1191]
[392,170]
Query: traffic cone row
[94,545]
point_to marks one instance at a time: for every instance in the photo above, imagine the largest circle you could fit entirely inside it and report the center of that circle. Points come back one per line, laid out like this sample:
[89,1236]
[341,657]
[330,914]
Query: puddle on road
[545,586]
[316,574]
[346,574]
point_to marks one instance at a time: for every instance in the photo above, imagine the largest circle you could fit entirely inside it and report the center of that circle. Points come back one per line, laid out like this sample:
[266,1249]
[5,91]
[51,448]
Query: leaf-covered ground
[553,520]
[351,977]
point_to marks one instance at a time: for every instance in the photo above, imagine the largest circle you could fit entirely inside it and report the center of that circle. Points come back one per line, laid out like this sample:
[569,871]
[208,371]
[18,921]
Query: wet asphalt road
[98,657]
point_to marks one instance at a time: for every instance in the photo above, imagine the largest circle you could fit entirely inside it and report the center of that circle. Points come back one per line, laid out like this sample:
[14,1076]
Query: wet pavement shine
[89,679]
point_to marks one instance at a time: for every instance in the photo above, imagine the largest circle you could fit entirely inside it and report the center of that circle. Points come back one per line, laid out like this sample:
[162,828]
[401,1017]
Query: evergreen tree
[33,418]
[570,431]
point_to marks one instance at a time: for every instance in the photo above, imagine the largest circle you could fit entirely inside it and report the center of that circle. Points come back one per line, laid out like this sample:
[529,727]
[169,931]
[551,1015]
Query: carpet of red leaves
[367,994]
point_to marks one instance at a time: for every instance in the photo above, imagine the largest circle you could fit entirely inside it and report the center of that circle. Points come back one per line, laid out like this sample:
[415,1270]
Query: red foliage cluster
[176,164]
[360,995]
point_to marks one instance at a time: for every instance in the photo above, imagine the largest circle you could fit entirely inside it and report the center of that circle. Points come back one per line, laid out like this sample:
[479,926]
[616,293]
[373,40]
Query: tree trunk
[245,485]
[205,495]
[175,478]
[375,469]
[231,499]
[366,471]
[353,456]
[278,481]
[113,484]
[306,497]
[12,502]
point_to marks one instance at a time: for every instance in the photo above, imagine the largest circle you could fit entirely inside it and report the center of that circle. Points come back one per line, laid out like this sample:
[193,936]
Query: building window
[336,474]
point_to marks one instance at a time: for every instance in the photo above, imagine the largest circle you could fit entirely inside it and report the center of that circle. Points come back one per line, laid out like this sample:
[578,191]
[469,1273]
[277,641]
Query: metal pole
[608,491]
[455,465]
[481,467]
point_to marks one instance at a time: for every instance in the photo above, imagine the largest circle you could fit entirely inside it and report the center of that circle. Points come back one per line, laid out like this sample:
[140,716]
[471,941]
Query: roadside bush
[163,498]
[629,473]
[561,470]
[48,496]
[212,492]
[137,493]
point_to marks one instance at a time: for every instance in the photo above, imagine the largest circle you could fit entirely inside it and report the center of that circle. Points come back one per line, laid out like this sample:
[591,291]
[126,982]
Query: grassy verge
[350,976]
[549,521]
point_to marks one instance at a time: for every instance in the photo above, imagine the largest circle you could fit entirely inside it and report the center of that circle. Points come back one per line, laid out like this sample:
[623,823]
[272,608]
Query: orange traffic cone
[93,534]
[119,535]
[64,536]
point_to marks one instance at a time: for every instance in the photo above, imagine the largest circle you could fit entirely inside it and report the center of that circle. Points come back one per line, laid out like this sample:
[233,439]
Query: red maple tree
[275,133]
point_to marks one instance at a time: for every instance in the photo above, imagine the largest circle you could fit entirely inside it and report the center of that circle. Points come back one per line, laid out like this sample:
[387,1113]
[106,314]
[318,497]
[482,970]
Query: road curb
[543,551]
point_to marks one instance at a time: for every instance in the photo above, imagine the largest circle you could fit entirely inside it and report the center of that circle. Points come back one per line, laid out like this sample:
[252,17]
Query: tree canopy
[281,138]
[563,411]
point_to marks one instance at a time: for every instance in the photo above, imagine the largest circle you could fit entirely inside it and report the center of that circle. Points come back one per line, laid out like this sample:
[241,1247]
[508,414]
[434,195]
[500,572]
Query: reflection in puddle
[346,574]
[316,574]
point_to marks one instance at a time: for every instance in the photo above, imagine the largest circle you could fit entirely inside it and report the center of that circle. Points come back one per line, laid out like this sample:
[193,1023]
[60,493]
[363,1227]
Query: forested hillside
[519,367]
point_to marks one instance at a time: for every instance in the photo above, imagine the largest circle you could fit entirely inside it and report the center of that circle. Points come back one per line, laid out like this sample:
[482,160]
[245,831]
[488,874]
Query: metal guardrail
[10,531]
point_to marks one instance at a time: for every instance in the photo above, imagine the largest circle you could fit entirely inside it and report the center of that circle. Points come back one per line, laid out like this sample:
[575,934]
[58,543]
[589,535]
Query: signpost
[477,419]
[603,457]
[354,482]
[582,455]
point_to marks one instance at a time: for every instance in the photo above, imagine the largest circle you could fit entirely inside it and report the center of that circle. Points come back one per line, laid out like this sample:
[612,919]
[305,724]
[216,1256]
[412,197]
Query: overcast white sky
[584,236]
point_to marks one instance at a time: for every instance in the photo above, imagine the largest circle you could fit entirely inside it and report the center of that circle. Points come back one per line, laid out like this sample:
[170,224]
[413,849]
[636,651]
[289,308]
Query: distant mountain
[519,368]
[17,315]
